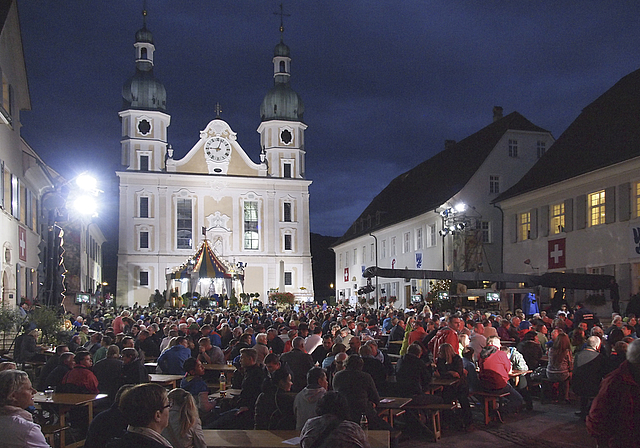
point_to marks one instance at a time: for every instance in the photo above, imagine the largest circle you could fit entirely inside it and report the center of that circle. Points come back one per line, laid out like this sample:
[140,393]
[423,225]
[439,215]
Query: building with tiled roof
[405,220]
[578,208]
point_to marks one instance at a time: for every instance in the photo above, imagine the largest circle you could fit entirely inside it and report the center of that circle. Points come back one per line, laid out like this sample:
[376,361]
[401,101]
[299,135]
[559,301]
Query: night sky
[384,83]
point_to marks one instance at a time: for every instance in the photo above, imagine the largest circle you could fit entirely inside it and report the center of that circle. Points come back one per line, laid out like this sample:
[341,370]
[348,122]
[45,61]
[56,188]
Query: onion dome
[281,102]
[143,90]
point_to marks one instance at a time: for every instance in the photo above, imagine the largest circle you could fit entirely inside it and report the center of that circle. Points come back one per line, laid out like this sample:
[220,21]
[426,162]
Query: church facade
[253,214]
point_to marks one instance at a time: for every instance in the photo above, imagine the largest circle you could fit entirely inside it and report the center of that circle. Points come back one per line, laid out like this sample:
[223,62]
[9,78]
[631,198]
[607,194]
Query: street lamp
[58,202]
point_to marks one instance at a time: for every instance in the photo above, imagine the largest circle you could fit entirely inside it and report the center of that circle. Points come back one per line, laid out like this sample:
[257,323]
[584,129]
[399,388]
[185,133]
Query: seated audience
[193,383]
[299,362]
[561,364]
[615,412]
[184,429]
[332,427]
[171,360]
[133,369]
[107,424]
[80,379]
[108,371]
[588,369]
[51,364]
[450,365]
[16,395]
[495,367]
[274,406]
[306,401]
[54,379]
[146,409]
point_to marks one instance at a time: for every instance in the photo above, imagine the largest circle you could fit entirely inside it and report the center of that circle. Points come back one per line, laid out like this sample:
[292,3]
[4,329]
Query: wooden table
[166,380]
[515,373]
[389,404]
[228,370]
[230,393]
[64,402]
[151,367]
[272,439]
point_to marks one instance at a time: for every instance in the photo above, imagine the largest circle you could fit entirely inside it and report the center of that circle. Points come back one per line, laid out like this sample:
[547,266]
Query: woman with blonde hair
[185,428]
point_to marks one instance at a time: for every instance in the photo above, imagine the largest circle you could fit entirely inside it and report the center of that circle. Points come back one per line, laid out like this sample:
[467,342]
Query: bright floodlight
[85,205]
[86,182]
[461,207]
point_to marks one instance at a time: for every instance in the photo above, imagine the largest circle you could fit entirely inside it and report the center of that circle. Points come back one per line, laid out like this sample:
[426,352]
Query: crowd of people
[322,370]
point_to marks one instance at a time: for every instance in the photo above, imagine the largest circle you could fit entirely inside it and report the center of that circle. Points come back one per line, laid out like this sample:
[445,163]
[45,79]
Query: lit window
[184,224]
[637,191]
[251,238]
[494,184]
[513,148]
[144,278]
[557,218]
[524,226]
[406,243]
[419,238]
[541,147]
[596,208]
[288,279]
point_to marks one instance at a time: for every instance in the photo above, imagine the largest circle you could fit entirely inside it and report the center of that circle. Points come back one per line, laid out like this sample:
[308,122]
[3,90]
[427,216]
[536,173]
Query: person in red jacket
[495,367]
[448,334]
[615,412]
[81,378]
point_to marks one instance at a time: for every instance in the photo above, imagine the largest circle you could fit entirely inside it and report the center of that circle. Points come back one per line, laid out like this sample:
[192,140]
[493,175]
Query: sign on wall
[418,260]
[557,257]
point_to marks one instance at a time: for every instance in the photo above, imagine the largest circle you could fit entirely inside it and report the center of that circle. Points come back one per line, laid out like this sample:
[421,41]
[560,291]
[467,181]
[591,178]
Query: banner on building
[557,254]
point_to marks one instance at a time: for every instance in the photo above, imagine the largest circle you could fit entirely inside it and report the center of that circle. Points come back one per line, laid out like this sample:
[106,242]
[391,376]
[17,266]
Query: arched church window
[282,67]
[143,53]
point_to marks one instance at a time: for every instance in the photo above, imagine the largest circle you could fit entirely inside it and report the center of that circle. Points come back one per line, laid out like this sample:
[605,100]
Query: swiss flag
[557,254]
[346,274]
[22,243]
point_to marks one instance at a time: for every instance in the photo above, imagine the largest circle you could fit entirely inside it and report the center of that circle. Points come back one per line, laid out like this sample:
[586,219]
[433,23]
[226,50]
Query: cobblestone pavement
[549,425]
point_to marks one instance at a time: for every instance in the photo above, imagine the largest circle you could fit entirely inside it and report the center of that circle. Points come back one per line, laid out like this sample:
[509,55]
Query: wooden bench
[50,432]
[433,416]
[489,398]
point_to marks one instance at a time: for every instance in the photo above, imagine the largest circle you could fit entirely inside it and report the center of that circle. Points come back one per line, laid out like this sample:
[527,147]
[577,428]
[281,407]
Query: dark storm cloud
[384,83]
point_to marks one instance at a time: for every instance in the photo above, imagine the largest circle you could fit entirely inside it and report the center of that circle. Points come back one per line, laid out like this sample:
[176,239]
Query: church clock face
[217,149]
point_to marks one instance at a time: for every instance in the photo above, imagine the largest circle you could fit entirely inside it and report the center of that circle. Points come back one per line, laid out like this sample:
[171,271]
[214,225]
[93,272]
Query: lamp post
[59,203]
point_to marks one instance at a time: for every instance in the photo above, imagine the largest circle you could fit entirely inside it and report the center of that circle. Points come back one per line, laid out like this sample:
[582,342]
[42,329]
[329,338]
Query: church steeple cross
[144,13]
[282,15]
[218,109]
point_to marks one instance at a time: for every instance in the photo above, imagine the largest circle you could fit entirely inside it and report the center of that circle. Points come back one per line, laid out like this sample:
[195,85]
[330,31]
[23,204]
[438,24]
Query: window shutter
[581,212]
[544,220]
[624,201]
[568,215]
[534,224]
[610,205]
[514,229]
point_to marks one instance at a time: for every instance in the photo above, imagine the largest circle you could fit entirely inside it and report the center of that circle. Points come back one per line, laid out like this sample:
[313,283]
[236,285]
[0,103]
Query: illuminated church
[254,215]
